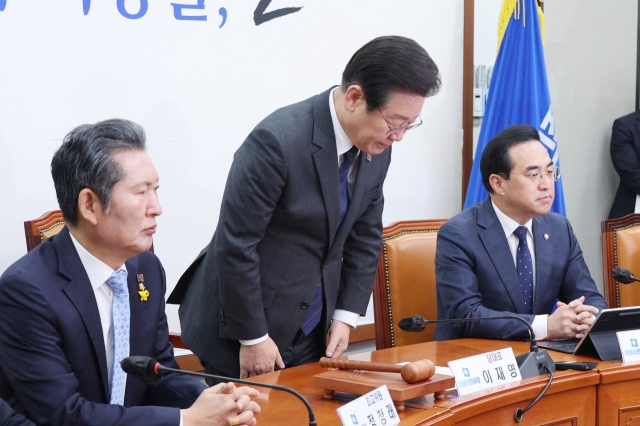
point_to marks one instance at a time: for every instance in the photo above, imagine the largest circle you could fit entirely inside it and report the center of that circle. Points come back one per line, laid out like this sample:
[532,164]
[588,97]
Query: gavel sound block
[415,379]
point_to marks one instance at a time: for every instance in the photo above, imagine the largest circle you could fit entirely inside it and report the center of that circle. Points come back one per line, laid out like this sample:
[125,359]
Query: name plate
[484,371]
[629,342]
[373,408]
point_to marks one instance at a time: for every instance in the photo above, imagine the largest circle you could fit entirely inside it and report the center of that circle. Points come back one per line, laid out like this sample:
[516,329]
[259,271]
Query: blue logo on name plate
[465,372]
[634,343]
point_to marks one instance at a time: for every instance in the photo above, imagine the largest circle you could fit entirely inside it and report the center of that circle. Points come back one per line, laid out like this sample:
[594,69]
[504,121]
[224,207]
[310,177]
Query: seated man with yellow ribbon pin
[69,312]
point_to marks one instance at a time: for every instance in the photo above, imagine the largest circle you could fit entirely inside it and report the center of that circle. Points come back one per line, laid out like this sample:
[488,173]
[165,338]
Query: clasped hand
[571,321]
[223,405]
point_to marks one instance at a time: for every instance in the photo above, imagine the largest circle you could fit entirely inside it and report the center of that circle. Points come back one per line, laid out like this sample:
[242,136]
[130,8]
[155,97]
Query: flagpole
[467,95]
[638,62]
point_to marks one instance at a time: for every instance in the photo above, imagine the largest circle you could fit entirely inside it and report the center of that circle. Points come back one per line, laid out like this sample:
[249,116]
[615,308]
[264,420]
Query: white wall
[485,31]
[198,90]
[485,44]
[591,67]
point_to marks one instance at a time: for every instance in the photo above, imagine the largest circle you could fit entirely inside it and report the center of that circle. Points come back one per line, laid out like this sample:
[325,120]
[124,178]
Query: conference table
[604,396]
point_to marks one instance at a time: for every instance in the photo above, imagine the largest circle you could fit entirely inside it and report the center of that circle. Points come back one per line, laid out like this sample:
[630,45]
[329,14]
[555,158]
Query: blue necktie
[525,268]
[120,344]
[315,307]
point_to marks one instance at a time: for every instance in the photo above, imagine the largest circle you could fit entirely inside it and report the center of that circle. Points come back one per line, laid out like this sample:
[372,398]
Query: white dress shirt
[98,273]
[509,225]
[343,144]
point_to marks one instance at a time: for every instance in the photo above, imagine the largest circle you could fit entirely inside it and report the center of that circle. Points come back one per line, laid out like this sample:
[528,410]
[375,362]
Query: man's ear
[353,97]
[496,183]
[89,206]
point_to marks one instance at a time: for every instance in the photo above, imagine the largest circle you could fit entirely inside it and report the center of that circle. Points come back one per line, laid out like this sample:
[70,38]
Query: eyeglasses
[400,128]
[537,177]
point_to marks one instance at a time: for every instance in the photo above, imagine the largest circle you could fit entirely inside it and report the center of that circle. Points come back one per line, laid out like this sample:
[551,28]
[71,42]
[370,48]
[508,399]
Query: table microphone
[531,364]
[150,371]
[623,276]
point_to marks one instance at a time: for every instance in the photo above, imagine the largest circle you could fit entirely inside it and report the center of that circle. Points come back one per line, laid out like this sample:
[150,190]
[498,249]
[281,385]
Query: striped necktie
[314,313]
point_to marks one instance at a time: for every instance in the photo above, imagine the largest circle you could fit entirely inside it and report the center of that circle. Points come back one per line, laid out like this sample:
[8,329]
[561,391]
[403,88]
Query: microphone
[623,276]
[531,364]
[151,371]
[142,368]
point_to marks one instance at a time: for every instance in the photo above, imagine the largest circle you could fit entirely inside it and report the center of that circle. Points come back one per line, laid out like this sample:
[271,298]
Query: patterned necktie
[343,181]
[315,307]
[120,343]
[525,268]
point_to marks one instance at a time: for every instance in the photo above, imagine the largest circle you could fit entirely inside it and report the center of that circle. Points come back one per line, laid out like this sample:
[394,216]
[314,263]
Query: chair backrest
[621,249]
[406,281]
[38,230]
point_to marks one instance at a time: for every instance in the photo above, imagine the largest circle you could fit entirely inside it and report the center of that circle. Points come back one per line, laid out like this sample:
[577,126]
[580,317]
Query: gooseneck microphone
[151,371]
[535,363]
[623,276]
[417,323]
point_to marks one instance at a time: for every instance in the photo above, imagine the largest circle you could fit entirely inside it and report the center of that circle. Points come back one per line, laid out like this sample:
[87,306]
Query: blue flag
[519,92]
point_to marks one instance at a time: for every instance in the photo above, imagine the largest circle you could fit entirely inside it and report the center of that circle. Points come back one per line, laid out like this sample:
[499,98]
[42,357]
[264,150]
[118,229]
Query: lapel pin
[143,292]
[546,236]
[368,157]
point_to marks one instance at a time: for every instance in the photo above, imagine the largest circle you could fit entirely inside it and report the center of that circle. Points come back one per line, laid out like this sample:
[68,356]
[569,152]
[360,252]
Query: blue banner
[518,93]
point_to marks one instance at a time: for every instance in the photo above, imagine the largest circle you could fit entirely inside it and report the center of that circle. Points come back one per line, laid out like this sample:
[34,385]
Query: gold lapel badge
[143,292]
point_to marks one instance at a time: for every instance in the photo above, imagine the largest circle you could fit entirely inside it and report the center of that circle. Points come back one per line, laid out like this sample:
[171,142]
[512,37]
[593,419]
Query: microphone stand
[530,364]
[520,412]
[141,368]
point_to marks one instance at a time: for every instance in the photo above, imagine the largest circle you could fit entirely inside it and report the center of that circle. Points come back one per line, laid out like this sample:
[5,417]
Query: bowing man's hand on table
[338,338]
[259,359]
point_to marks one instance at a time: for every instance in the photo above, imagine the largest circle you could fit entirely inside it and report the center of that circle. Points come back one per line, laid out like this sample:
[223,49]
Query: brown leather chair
[621,249]
[38,230]
[406,281]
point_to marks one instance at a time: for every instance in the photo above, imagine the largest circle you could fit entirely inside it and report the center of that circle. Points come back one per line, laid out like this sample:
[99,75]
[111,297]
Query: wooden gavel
[412,372]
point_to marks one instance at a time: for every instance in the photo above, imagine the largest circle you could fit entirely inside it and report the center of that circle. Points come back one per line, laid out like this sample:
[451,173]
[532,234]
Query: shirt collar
[343,143]
[509,225]
[97,270]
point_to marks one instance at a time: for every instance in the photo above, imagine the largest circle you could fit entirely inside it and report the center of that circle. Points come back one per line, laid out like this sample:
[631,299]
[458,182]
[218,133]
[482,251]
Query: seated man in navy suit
[70,310]
[510,255]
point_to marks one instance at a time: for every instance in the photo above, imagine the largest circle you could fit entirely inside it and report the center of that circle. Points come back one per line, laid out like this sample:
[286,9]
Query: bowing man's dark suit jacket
[276,237]
[625,155]
[52,354]
[476,275]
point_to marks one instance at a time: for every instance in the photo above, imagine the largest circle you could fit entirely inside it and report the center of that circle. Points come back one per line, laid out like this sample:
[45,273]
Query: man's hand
[223,405]
[571,321]
[338,338]
[259,359]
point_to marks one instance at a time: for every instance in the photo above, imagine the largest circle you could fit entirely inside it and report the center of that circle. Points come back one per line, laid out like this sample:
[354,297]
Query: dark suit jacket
[52,354]
[476,275]
[625,155]
[276,237]
[8,417]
